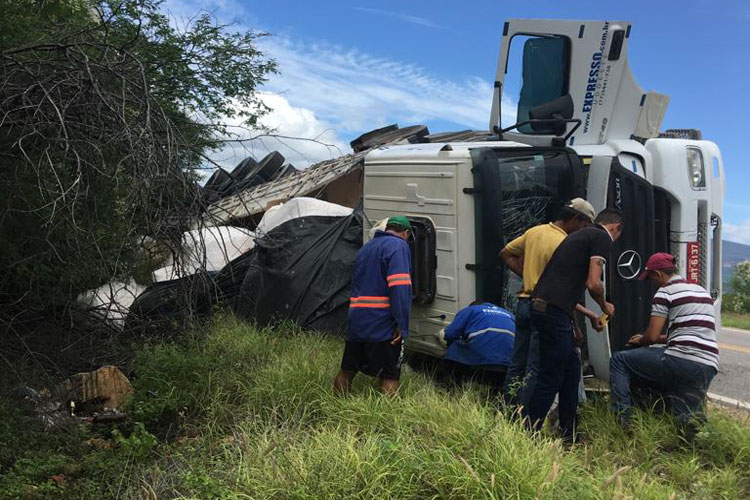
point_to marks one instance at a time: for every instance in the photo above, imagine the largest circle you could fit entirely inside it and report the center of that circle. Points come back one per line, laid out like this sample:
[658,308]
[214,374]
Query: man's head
[613,220]
[659,268]
[576,214]
[399,225]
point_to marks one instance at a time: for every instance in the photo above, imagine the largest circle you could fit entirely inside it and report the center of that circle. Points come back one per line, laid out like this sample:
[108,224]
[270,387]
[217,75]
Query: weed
[252,415]
[735,320]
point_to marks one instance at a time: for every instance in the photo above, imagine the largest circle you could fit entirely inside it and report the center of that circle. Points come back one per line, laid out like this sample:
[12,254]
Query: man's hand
[441,338]
[396,340]
[596,323]
[609,309]
[578,335]
[636,339]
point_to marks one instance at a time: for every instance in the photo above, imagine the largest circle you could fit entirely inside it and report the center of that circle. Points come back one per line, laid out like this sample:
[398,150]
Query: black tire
[362,142]
[243,168]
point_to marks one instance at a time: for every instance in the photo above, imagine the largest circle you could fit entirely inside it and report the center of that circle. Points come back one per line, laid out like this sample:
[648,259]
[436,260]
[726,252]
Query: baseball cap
[400,220]
[582,206]
[660,261]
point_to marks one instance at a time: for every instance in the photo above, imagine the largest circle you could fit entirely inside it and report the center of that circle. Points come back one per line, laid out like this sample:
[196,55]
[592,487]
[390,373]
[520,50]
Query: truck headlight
[696,170]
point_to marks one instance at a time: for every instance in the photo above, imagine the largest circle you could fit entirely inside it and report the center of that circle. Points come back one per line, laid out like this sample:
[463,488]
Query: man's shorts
[377,359]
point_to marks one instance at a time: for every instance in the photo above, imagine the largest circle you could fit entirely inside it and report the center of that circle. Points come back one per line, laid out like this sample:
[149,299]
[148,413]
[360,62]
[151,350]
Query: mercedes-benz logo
[629,265]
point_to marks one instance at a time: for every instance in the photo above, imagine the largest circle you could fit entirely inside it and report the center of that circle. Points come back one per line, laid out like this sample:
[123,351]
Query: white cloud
[739,233]
[421,21]
[325,93]
[295,132]
[332,92]
[356,92]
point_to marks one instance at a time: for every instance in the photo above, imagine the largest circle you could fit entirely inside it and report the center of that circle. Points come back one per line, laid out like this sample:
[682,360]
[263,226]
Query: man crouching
[684,368]
[379,309]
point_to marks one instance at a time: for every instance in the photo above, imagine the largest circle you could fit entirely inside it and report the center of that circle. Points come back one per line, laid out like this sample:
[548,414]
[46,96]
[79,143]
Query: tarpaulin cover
[302,272]
[208,249]
[298,207]
[113,300]
[229,280]
[171,303]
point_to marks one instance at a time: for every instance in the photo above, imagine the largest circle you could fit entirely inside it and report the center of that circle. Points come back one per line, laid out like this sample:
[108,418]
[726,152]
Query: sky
[347,67]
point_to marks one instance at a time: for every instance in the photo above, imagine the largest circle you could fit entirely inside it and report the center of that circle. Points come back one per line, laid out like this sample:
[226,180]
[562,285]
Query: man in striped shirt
[684,368]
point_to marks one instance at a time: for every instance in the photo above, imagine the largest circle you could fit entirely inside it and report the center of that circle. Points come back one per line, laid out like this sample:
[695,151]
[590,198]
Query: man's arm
[595,285]
[457,328]
[512,262]
[659,314]
[577,333]
[653,334]
[512,254]
[596,323]
[399,290]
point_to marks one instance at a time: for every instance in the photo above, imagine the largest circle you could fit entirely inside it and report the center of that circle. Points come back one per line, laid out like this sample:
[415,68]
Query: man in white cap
[527,256]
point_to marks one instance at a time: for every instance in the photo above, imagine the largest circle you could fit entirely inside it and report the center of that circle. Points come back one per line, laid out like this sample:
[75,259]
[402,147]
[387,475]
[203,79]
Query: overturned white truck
[583,128]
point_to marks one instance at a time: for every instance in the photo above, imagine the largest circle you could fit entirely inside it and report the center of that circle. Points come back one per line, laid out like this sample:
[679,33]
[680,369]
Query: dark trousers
[559,370]
[682,382]
[524,361]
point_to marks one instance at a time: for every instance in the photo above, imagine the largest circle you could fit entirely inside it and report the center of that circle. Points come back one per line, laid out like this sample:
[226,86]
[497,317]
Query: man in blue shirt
[480,343]
[379,309]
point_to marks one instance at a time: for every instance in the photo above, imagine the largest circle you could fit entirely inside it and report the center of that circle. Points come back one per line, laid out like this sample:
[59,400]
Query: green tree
[106,111]
[737,300]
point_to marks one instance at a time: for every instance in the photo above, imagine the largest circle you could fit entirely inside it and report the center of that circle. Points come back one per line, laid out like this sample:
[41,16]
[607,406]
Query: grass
[243,413]
[735,320]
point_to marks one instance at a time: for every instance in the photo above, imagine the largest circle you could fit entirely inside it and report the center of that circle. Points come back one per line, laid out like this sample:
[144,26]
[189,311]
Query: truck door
[516,189]
[632,298]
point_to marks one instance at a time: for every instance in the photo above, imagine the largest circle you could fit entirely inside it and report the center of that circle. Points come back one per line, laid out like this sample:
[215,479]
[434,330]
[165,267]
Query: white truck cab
[582,127]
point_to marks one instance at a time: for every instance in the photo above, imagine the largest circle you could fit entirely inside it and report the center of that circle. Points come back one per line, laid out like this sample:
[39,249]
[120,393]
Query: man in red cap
[683,369]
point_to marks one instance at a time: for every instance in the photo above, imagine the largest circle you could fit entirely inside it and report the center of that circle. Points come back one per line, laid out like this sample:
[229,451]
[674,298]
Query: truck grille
[703,255]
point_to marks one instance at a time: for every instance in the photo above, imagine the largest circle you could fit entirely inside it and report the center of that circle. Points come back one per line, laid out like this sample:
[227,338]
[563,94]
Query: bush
[735,303]
[737,300]
[101,137]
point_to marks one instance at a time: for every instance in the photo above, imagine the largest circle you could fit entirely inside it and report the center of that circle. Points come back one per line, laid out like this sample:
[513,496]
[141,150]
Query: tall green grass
[735,320]
[248,413]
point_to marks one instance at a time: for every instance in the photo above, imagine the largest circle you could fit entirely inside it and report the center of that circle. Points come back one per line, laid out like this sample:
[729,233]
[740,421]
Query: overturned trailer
[583,127]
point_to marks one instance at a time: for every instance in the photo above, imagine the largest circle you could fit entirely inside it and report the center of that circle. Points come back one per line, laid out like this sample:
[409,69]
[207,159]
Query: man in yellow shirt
[527,256]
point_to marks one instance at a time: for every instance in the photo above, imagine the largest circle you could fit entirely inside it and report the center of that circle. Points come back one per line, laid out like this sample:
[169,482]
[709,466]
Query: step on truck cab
[579,125]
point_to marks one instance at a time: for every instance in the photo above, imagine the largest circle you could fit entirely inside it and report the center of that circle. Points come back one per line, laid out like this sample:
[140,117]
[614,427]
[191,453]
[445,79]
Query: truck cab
[579,126]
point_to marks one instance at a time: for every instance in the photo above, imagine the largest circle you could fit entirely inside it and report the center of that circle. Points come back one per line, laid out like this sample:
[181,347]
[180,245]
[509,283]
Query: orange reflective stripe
[370,301]
[398,276]
[370,298]
[400,282]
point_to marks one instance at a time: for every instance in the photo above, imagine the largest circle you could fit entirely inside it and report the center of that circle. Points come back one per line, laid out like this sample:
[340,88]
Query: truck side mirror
[559,109]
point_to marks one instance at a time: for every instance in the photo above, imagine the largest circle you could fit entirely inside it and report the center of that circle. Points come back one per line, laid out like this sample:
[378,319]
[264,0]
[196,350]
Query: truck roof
[390,152]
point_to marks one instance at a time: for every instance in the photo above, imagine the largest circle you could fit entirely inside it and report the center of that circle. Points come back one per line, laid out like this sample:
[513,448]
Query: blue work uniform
[381,290]
[481,335]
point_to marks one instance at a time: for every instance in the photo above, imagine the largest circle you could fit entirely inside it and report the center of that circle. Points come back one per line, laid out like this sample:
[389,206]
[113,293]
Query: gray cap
[582,206]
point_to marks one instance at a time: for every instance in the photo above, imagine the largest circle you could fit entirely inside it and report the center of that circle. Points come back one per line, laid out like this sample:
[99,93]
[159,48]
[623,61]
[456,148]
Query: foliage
[67,461]
[136,445]
[258,420]
[738,299]
[106,110]
[734,320]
